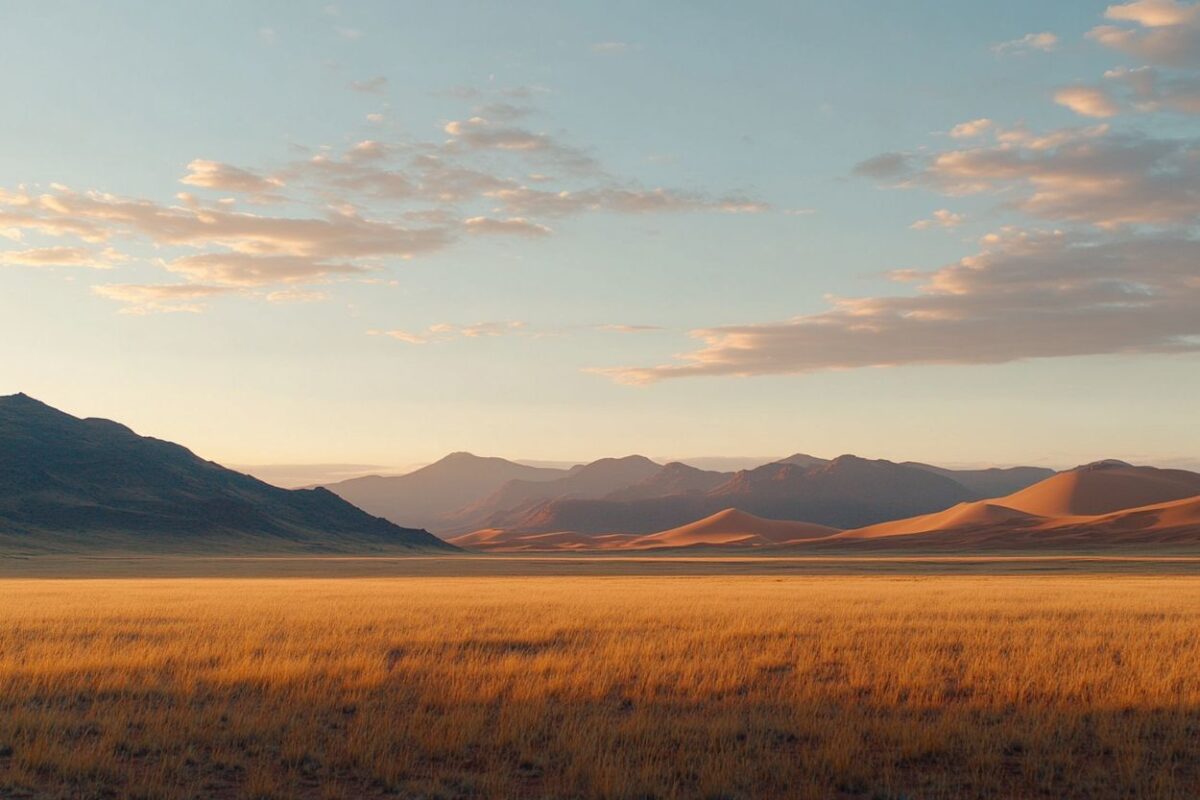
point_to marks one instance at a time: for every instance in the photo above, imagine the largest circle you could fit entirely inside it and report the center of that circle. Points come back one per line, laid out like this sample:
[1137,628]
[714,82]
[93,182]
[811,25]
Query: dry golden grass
[878,687]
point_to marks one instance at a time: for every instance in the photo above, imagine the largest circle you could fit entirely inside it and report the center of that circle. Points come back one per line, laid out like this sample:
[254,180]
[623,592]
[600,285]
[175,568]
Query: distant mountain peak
[21,399]
[1105,463]
[803,460]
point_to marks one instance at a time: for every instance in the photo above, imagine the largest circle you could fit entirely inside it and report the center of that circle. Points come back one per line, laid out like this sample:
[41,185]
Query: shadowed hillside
[70,484]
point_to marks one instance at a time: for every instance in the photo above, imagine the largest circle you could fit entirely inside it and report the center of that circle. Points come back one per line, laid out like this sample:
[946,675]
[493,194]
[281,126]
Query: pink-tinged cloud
[62,257]
[1024,296]
[1087,175]
[1164,32]
[1043,42]
[1087,101]
[510,226]
[160,298]
[446,331]
[942,218]
[227,178]
[347,212]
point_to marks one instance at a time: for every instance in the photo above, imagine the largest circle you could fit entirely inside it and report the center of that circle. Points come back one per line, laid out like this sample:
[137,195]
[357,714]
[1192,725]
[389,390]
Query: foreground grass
[944,687]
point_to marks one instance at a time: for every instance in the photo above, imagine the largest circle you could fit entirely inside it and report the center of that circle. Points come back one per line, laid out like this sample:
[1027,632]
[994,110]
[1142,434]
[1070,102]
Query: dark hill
[72,485]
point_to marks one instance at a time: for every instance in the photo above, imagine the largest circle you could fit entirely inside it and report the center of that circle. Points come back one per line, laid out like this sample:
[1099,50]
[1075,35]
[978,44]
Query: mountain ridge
[80,484]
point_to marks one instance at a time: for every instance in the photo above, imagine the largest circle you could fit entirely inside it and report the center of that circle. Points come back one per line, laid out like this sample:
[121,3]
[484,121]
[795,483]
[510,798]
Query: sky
[371,233]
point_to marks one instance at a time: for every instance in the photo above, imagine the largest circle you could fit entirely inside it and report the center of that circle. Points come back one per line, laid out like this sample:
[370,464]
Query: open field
[744,686]
[590,565]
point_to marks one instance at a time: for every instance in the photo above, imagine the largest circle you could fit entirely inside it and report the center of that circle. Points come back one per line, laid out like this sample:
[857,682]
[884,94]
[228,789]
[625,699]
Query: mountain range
[84,485]
[70,484]
[1103,505]
[636,495]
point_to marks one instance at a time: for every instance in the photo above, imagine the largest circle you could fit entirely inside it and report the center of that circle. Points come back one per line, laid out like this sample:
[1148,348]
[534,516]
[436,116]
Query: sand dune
[1171,516]
[498,539]
[964,515]
[1102,488]
[1107,503]
[733,528]
[728,528]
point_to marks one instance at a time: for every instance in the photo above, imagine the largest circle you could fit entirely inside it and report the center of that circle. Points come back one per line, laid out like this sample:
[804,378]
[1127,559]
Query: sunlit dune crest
[733,528]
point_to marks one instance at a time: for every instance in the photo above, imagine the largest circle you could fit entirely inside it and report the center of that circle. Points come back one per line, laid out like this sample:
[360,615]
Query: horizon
[293,476]
[368,235]
[300,474]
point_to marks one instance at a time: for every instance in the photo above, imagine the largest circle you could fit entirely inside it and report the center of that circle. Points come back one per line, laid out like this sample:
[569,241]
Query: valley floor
[906,683]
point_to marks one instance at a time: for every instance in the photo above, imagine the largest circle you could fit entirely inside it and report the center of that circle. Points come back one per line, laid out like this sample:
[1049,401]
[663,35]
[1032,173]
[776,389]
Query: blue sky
[667,201]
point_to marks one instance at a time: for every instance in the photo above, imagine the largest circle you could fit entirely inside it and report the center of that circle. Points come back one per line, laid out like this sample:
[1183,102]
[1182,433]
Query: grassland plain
[880,686]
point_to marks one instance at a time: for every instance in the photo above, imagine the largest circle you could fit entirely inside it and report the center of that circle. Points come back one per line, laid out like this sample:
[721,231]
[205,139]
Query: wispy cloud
[942,218]
[1025,295]
[446,331]
[1092,175]
[226,178]
[618,328]
[107,258]
[514,226]
[1150,90]
[346,213]
[971,129]
[159,298]
[1041,42]
[1119,278]
[376,85]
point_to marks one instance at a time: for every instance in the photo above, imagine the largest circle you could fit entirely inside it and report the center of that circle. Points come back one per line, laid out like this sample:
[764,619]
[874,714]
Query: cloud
[349,34]
[376,85]
[518,226]
[883,166]
[1166,32]
[616,328]
[227,178]
[1156,13]
[969,130]
[1152,91]
[1122,277]
[62,257]
[504,111]
[348,212]
[942,218]
[524,200]
[103,216]
[159,298]
[480,133]
[609,48]
[294,296]
[1043,42]
[1087,101]
[1089,175]
[243,269]
[445,331]
[1025,295]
